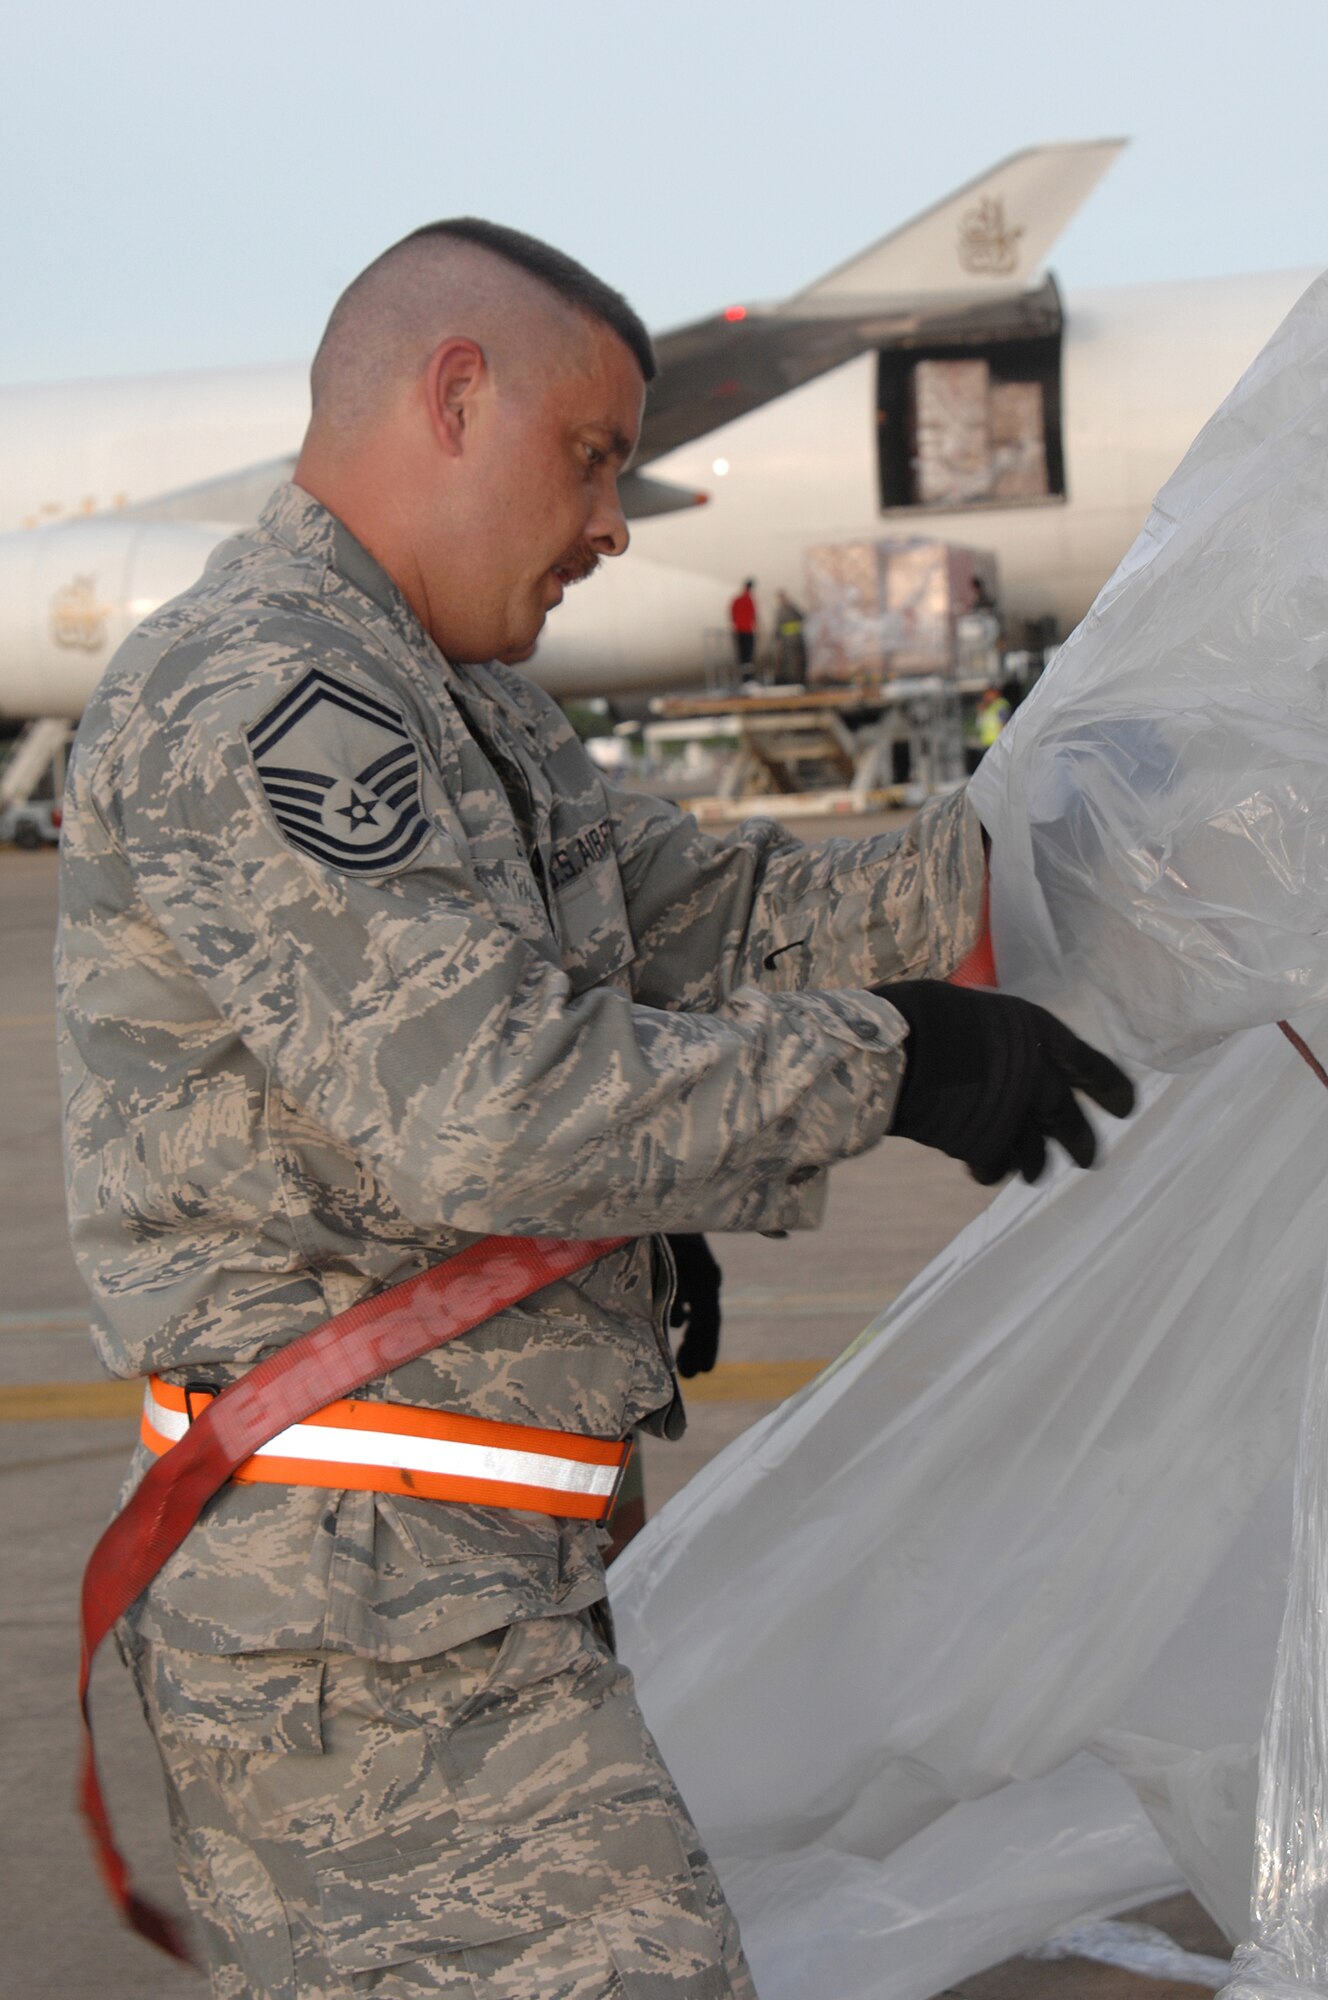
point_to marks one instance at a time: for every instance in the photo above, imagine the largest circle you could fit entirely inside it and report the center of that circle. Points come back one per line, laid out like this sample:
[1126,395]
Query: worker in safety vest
[992,716]
[362,960]
[790,645]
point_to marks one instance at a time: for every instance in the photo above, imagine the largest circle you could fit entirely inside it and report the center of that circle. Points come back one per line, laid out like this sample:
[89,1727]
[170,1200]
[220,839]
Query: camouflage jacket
[360,959]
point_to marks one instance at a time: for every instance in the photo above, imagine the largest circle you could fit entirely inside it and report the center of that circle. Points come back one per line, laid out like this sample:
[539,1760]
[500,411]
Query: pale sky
[192,184]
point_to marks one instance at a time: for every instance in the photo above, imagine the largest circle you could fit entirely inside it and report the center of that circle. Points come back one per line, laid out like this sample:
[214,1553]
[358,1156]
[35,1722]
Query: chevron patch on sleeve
[341,772]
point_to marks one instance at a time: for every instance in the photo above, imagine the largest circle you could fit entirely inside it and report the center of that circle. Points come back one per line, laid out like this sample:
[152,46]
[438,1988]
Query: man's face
[552,458]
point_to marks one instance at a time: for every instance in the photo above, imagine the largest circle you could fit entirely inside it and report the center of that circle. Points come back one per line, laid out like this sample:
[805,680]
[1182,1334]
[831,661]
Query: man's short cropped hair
[561,273]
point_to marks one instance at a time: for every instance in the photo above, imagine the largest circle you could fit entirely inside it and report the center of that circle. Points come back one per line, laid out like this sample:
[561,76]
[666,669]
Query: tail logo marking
[78,621]
[988,244]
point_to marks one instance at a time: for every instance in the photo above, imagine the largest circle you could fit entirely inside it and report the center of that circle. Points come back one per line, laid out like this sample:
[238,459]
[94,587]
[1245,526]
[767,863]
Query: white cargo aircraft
[796,424]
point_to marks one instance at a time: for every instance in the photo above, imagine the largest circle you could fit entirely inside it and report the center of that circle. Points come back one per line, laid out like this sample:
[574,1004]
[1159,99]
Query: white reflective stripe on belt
[328,1443]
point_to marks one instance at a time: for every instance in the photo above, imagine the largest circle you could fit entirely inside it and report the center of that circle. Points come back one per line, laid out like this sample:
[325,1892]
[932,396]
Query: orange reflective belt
[418,1454]
[288,1390]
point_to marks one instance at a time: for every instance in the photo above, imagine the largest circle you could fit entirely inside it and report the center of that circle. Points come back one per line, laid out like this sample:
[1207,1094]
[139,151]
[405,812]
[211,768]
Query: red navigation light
[735,312]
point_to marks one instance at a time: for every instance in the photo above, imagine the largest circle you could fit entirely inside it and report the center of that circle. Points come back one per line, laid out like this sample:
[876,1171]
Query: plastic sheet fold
[1159,806]
[989,1631]
[1032,1526]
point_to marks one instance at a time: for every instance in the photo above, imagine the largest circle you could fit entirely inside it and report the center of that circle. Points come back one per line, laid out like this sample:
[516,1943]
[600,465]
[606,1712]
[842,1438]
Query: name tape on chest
[573,857]
[341,773]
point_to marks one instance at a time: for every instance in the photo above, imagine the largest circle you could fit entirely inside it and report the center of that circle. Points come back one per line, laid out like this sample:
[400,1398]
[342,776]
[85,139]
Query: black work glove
[989,1078]
[695,1304]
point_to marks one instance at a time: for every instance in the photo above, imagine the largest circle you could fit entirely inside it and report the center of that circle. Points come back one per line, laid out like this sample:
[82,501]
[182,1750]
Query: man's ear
[455,376]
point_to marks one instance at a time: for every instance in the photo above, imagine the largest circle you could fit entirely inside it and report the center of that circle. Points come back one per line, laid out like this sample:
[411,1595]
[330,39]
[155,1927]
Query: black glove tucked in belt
[989,1078]
[695,1304]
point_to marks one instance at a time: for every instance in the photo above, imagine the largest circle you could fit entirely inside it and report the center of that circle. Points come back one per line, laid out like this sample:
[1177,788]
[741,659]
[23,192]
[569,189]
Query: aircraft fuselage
[1140,370]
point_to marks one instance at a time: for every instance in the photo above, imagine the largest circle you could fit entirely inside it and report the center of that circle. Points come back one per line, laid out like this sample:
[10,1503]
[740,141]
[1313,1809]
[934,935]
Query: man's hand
[989,1078]
[695,1304]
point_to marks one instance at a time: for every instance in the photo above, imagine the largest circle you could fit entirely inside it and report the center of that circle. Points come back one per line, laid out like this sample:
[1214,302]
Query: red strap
[1304,1051]
[342,1354]
[979,968]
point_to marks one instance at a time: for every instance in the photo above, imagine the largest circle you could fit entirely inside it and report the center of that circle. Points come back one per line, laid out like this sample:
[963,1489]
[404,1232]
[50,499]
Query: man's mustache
[580,562]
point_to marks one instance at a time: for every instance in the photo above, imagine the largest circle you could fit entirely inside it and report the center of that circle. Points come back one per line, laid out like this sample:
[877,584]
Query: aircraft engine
[70,594]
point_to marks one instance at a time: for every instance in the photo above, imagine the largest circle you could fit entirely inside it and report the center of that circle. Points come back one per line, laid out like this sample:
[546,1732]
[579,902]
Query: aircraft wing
[968,264]
[971,260]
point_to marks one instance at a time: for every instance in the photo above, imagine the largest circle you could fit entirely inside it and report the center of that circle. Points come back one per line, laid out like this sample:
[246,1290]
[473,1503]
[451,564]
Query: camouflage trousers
[494,1823]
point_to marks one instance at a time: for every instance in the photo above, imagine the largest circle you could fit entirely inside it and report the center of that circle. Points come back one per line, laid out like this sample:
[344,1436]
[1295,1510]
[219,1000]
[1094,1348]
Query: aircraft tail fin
[988,237]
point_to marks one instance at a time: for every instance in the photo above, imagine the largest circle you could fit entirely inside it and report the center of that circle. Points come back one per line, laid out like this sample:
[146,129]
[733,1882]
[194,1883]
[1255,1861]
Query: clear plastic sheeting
[1159,806]
[1137,1948]
[1286,1957]
[968,1889]
[1033,1524]
[975,1638]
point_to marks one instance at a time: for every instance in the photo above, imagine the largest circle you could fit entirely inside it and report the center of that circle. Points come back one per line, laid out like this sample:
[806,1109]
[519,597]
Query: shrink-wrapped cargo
[1018,441]
[844,630]
[950,434]
[877,610]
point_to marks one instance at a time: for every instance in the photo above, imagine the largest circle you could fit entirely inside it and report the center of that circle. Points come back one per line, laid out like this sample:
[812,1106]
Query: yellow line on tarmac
[71,1402]
[751,1381]
[65,1402]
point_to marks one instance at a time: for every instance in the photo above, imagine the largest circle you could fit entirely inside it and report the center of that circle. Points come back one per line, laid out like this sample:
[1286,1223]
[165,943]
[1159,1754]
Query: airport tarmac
[65,1435]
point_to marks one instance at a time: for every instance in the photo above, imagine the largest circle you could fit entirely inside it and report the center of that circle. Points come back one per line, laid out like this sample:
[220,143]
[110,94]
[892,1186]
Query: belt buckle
[210,1390]
[612,1501]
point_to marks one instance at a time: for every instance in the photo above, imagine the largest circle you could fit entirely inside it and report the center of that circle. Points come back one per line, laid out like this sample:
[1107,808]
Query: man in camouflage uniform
[361,960]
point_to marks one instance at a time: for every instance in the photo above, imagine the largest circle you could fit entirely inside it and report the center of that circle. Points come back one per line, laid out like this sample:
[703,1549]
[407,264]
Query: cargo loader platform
[822,750]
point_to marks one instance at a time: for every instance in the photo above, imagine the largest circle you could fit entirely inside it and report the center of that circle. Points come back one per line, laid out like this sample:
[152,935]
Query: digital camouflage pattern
[360,959]
[493,1823]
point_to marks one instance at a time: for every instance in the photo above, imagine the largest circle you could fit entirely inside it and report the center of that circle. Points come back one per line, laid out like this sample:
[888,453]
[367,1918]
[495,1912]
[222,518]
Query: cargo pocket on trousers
[609,1887]
[253,1702]
[226,1725]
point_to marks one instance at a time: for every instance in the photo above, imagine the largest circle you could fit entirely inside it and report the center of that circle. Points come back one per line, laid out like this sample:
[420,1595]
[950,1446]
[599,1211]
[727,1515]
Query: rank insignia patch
[342,775]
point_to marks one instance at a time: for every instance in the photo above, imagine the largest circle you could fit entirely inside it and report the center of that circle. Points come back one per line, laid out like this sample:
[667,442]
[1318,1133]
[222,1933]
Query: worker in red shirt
[742,617]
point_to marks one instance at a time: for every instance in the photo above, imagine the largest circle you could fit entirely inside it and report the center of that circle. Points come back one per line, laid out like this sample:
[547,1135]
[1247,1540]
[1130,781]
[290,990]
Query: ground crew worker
[360,960]
[742,619]
[790,645]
